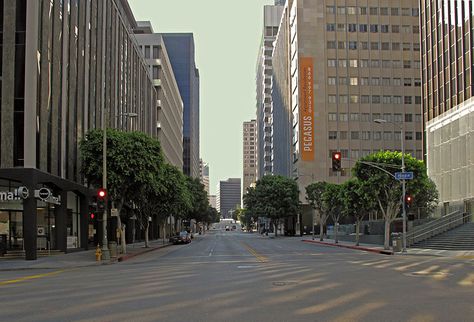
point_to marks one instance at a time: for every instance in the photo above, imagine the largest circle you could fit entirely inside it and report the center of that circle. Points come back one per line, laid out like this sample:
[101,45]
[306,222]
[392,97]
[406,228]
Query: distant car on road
[183,238]
[227,228]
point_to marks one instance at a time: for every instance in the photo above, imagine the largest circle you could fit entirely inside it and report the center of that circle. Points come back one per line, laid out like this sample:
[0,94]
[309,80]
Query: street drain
[287,283]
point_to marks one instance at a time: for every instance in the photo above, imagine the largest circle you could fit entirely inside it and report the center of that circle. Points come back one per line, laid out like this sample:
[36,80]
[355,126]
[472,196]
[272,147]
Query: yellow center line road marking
[31,277]
[260,258]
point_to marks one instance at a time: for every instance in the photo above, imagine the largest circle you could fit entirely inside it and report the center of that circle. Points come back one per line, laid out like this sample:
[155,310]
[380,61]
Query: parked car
[183,238]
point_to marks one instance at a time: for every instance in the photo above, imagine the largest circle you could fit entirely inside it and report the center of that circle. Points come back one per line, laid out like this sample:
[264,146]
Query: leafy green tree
[133,159]
[199,200]
[174,196]
[333,202]
[386,191]
[275,197]
[314,195]
[246,218]
[357,202]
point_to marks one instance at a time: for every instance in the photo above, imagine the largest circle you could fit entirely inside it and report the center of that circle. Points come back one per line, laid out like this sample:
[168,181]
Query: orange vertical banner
[306,110]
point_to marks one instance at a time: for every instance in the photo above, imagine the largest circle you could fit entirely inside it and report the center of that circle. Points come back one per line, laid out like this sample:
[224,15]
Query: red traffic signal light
[92,215]
[409,199]
[336,161]
[101,193]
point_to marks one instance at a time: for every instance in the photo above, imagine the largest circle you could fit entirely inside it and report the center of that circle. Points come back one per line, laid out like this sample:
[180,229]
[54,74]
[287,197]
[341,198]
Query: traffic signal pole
[404,217]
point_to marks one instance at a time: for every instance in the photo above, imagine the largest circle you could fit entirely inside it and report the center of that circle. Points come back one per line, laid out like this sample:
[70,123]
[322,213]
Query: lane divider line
[31,277]
[260,258]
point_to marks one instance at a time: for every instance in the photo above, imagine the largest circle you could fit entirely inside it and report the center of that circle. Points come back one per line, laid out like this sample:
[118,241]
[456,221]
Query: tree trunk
[357,232]
[387,234]
[123,243]
[146,233]
[275,225]
[321,229]
[164,231]
[335,232]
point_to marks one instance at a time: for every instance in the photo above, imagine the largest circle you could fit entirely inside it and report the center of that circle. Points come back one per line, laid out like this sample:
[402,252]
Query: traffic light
[92,216]
[408,201]
[101,199]
[336,161]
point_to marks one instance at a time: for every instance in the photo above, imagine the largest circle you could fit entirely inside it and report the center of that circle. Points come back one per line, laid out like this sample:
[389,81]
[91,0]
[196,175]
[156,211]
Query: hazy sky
[227,34]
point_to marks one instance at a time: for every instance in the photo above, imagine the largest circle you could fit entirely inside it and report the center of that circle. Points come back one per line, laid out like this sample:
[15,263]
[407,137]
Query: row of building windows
[373,11]
[374,45]
[374,99]
[367,117]
[151,52]
[374,81]
[373,28]
[374,63]
[374,135]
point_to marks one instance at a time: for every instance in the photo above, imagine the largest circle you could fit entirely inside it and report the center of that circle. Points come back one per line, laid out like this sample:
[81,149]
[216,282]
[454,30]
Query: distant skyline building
[180,48]
[228,196]
[249,154]
[213,201]
[204,175]
[337,69]
[170,105]
[448,102]
[271,21]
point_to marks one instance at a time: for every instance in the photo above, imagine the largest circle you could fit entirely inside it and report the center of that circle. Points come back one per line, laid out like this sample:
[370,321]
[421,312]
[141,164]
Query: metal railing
[437,226]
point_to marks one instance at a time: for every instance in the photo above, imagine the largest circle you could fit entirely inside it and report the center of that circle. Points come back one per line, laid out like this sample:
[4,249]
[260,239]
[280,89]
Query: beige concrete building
[347,64]
[204,175]
[249,154]
[170,105]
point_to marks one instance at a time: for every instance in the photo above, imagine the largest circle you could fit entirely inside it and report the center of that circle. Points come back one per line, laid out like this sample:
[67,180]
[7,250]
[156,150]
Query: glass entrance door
[16,231]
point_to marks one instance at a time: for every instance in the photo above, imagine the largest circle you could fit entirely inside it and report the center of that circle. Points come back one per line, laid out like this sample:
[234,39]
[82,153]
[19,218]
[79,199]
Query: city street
[235,276]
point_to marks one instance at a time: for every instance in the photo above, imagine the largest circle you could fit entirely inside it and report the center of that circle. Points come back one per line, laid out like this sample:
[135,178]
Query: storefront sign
[45,195]
[306,109]
[16,195]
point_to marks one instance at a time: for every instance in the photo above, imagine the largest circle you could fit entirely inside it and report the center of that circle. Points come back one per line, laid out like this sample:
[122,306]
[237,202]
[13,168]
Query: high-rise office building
[448,103]
[249,154]
[170,105]
[180,47]
[337,69]
[65,69]
[228,197]
[271,21]
[204,175]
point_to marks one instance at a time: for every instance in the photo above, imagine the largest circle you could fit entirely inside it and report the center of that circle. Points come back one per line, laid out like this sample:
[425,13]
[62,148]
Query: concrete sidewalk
[77,259]
[380,250]
[343,244]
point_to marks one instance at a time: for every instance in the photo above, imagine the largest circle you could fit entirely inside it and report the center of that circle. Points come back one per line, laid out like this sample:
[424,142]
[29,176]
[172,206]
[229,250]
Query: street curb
[384,252]
[127,257]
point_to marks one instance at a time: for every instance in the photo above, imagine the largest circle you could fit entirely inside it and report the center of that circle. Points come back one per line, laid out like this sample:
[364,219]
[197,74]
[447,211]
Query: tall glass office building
[448,105]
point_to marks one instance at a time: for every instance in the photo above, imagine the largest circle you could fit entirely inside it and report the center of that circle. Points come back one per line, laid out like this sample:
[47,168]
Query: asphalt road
[231,276]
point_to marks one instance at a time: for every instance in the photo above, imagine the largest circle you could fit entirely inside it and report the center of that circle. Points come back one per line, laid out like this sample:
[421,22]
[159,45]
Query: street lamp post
[404,215]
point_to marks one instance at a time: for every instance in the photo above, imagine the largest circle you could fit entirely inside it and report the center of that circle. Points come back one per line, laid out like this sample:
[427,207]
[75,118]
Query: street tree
[333,202]
[133,159]
[199,200]
[386,191]
[174,197]
[357,202]
[314,195]
[275,197]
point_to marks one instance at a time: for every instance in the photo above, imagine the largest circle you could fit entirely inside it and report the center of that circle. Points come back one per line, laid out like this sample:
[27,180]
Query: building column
[60,219]
[30,225]
[84,221]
